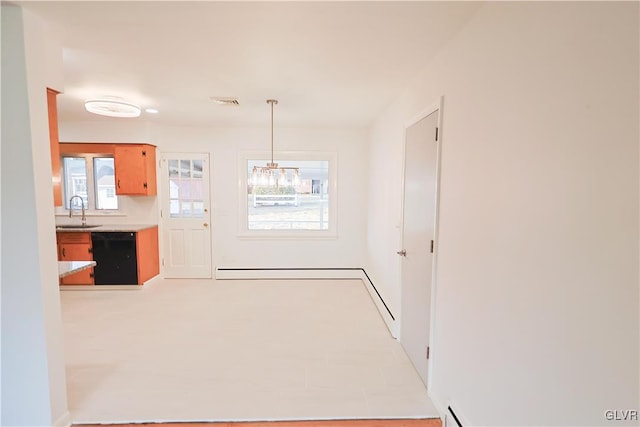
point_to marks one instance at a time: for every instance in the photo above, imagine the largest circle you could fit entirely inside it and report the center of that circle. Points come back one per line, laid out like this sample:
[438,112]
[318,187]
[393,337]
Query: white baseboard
[391,322]
[453,417]
[313,273]
[267,273]
[446,416]
[63,421]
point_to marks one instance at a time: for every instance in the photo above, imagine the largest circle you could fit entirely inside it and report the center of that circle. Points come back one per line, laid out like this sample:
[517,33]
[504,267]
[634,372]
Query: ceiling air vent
[224,100]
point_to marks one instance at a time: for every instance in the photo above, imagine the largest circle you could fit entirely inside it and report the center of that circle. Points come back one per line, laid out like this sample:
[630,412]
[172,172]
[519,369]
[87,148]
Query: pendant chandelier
[272,175]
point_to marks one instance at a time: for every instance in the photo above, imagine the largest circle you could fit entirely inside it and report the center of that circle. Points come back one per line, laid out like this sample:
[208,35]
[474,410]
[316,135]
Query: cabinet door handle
[63,253]
[118,183]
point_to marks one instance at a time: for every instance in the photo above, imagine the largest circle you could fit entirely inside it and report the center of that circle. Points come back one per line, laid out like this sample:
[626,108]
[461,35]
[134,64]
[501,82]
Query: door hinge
[160,213]
[436,134]
[432,246]
[163,262]
[428,348]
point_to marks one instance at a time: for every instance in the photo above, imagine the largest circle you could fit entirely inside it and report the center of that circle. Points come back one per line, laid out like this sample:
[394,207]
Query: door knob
[206,224]
[402,253]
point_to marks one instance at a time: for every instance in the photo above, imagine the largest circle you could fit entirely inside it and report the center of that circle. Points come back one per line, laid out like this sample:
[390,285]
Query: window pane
[105,182]
[174,208]
[280,200]
[198,209]
[185,209]
[75,182]
[174,188]
[173,168]
[185,169]
[197,168]
[186,189]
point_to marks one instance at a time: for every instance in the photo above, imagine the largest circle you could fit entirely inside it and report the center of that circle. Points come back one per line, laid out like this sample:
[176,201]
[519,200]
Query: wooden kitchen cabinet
[144,256]
[56,169]
[76,247]
[135,169]
[148,254]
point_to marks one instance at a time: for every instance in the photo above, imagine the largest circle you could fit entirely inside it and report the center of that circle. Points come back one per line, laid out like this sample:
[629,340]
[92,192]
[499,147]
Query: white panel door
[419,214]
[186,215]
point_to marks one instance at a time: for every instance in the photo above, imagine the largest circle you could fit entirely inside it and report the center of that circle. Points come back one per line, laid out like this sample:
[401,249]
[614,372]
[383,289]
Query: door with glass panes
[186,215]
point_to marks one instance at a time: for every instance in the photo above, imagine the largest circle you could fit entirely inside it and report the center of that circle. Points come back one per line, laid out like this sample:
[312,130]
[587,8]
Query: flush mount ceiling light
[271,175]
[112,106]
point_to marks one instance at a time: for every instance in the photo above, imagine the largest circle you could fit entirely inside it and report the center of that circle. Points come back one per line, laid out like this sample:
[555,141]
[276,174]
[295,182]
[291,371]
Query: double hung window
[92,178]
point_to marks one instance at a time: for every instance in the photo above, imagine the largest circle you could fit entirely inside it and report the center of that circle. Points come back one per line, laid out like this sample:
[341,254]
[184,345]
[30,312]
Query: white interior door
[418,235]
[186,215]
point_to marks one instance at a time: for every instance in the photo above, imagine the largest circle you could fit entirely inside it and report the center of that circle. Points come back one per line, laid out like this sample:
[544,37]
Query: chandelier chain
[266,175]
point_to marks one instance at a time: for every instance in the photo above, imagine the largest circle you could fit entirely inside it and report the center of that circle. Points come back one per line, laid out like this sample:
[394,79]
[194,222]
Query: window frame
[243,211]
[90,209]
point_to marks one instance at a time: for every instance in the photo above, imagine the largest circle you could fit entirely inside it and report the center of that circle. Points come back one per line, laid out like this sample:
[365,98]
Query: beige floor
[235,350]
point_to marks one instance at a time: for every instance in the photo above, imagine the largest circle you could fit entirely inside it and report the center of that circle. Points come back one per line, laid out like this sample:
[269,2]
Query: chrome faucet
[84,217]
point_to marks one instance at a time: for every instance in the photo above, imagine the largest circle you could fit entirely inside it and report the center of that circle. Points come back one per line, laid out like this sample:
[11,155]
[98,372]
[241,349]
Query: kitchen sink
[77,226]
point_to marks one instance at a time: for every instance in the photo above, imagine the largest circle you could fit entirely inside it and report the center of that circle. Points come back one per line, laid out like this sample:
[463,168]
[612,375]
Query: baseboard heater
[294,273]
[451,419]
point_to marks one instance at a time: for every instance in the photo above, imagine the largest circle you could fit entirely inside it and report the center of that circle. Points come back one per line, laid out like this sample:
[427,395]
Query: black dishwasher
[115,257]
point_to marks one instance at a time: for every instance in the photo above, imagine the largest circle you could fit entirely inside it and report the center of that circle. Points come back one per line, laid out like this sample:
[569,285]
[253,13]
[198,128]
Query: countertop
[66,268]
[105,228]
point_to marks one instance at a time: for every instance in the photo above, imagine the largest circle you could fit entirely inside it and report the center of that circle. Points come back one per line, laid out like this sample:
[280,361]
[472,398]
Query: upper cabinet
[52,106]
[135,169]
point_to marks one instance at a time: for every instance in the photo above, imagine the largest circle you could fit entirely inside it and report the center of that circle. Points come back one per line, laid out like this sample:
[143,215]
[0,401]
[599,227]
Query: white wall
[537,296]
[224,146]
[33,377]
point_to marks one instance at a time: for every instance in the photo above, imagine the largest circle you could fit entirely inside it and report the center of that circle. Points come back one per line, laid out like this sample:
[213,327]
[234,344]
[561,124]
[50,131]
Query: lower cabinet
[122,258]
[148,254]
[76,247]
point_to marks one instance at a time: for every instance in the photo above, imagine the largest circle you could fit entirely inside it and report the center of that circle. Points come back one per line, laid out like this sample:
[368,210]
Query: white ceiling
[328,63]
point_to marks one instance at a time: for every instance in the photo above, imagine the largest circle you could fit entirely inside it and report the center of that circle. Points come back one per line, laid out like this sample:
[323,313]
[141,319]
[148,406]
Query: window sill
[279,235]
[76,214]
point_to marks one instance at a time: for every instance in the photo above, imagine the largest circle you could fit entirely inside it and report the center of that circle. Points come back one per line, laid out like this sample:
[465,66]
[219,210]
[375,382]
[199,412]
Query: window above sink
[92,178]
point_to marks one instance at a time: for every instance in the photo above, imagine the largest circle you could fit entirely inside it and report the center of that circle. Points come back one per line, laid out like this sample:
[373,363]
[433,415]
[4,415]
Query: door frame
[163,198]
[432,108]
